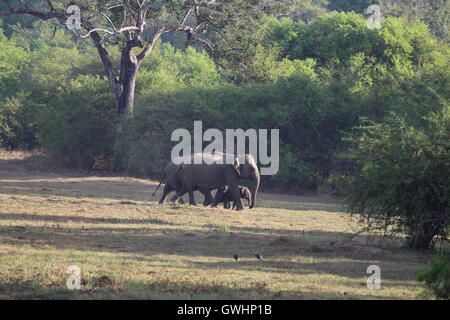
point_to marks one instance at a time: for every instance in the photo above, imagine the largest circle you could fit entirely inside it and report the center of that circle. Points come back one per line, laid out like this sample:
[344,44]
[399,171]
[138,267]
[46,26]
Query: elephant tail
[162,180]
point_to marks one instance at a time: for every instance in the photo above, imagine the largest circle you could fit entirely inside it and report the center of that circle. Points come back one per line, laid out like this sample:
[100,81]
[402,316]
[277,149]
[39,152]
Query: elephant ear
[237,166]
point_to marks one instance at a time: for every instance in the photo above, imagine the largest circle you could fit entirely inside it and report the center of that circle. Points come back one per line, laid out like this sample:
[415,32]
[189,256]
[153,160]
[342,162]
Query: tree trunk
[423,237]
[125,103]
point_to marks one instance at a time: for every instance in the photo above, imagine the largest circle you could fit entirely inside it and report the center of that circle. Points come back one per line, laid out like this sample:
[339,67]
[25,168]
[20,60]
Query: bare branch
[150,45]
[106,61]
[116,32]
[183,21]
[109,20]
[38,14]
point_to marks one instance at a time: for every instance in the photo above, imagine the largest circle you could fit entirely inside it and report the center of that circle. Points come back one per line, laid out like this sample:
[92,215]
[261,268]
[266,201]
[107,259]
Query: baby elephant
[227,197]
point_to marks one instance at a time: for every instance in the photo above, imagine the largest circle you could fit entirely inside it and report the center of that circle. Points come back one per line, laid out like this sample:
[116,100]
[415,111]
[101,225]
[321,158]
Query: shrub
[296,104]
[437,276]
[404,181]
[77,128]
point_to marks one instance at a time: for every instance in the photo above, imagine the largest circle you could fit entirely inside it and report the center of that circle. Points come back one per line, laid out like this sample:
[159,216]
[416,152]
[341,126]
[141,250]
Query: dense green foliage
[404,182]
[437,276]
[77,126]
[295,104]
[435,13]
[313,80]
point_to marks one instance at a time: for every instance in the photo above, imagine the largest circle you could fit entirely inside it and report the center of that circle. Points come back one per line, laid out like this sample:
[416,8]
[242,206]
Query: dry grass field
[130,247]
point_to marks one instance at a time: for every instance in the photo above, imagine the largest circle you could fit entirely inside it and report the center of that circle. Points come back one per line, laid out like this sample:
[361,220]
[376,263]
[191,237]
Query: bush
[296,104]
[77,128]
[15,127]
[33,73]
[403,184]
[437,276]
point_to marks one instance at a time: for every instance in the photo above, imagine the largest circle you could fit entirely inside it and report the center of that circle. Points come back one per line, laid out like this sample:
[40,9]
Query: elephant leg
[167,189]
[208,197]
[233,187]
[217,198]
[178,196]
[191,197]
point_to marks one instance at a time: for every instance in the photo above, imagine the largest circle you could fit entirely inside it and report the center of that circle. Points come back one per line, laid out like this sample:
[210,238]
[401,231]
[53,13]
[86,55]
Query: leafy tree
[399,68]
[33,74]
[435,13]
[76,119]
[127,21]
[10,23]
[403,184]
[14,131]
[306,10]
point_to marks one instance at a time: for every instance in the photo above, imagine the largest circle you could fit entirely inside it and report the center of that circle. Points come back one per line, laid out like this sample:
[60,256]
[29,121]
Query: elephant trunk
[254,190]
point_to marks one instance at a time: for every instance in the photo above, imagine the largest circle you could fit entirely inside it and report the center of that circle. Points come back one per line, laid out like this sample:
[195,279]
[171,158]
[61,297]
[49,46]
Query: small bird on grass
[258,256]
[236,257]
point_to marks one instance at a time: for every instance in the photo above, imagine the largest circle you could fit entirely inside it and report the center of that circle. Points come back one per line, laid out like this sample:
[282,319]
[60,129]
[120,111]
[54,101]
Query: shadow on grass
[77,219]
[282,254]
[300,205]
[49,186]
[122,189]
[99,289]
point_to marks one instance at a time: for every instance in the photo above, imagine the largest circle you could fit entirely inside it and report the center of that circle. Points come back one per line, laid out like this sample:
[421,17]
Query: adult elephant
[173,182]
[220,171]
